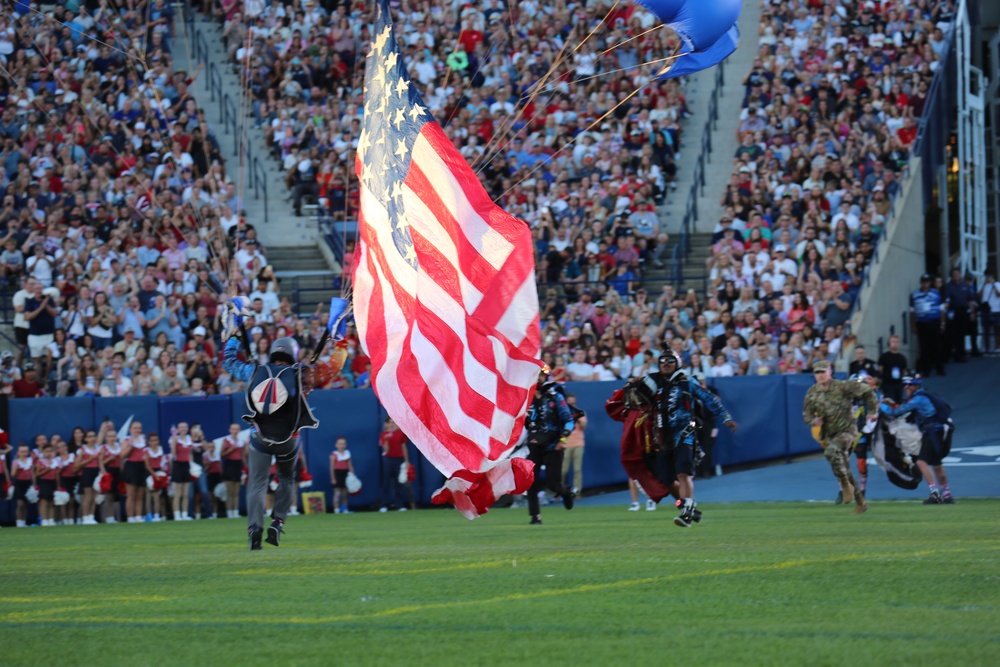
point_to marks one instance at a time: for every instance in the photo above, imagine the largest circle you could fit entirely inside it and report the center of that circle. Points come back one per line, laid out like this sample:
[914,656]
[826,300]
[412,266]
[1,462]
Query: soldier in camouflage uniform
[828,404]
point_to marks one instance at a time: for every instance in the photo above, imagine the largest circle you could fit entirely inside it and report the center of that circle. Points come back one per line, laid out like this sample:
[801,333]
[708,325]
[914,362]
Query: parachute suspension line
[607,113]
[66,25]
[557,62]
[510,121]
[626,41]
[625,69]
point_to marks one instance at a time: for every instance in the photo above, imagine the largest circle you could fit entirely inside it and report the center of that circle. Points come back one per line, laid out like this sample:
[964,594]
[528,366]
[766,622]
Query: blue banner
[799,435]
[214,413]
[144,409]
[31,416]
[353,414]
[601,453]
[757,404]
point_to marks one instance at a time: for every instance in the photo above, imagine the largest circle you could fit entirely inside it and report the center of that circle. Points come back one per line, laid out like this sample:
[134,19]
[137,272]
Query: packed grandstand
[122,226]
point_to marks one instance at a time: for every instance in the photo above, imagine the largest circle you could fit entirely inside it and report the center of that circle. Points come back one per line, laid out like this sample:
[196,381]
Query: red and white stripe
[453,344]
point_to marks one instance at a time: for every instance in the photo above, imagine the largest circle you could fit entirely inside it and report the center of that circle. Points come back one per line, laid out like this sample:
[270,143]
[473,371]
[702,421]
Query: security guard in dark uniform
[927,313]
[548,423]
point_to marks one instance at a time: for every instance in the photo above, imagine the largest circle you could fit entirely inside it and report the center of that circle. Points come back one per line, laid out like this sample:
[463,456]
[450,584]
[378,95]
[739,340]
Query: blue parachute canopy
[695,61]
[699,23]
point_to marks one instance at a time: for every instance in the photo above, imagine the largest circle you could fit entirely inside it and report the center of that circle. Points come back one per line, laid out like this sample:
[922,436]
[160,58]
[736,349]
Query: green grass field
[760,584]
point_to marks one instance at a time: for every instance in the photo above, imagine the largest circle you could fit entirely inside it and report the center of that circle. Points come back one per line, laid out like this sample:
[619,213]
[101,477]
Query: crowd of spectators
[827,123]
[122,227]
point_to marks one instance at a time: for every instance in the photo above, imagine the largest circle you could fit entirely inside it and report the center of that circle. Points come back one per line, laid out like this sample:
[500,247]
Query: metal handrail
[259,178]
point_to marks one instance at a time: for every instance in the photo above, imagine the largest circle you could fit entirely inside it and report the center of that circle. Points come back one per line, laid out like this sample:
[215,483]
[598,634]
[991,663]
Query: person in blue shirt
[676,402]
[933,434]
[927,317]
[277,411]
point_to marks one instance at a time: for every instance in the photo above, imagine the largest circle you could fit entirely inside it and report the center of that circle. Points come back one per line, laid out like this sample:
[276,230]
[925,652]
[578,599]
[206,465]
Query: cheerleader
[111,463]
[88,464]
[68,479]
[340,466]
[156,461]
[200,486]
[233,455]
[23,472]
[47,476]
[180,470]
[213,470]
[134,455]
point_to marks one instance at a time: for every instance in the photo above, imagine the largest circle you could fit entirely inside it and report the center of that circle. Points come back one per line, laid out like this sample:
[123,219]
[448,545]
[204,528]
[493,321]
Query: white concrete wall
[901,261]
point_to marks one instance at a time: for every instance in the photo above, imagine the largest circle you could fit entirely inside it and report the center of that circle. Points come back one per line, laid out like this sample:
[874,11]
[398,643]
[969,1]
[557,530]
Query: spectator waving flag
[444,292]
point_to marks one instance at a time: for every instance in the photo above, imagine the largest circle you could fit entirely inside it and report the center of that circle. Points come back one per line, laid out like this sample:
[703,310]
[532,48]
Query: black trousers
[552,459]
[958,329]
[931,347]
[300,192]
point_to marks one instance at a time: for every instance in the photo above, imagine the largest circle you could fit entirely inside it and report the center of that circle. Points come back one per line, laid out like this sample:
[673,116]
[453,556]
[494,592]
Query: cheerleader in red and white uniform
[23,472]
[89,466]
[340,466]
[157,461]
[68,478]
[233,456]
[213,468]
[47,477]
[134,455]
[111,463]
[180,470]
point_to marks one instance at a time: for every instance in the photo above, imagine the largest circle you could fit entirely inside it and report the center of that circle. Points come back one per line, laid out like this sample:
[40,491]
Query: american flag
[444,292]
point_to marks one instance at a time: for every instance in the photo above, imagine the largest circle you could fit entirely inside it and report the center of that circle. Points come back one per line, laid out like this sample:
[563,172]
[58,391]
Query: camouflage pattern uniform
[835,406]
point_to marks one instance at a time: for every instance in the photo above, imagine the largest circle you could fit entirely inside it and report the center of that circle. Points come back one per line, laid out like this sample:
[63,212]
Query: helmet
[912,380]
[670,355]
[287,348]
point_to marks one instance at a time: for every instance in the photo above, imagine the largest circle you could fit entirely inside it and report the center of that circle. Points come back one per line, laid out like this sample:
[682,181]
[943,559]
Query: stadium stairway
[698,91]
[283,228]
[306,277]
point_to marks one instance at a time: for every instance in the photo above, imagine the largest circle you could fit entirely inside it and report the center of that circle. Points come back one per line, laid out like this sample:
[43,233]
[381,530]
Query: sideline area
[973,466]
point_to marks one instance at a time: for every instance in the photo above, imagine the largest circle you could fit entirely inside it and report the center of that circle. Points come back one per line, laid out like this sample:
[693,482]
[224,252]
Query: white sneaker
[110,519]
[634,507]
[402,509]
[21,523]
[650,505]
[383,509]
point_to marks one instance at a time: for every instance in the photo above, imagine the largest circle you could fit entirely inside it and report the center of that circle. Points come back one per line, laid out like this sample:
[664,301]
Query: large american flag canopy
[444,292]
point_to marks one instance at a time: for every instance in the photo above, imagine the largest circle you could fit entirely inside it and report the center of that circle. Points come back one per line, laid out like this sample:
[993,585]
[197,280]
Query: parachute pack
[942,408]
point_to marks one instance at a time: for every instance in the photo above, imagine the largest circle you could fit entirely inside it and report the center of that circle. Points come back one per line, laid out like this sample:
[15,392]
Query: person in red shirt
[28,386]
[394,457]
[111,462]
[157,461]
[87,463]
[47,477]
[23,472]
[180,470]
[134,455]
[68,479]
[233,461]
[213,470]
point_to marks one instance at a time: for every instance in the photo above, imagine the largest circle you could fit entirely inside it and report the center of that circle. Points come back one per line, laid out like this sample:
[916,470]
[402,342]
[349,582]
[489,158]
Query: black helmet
[285,349]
